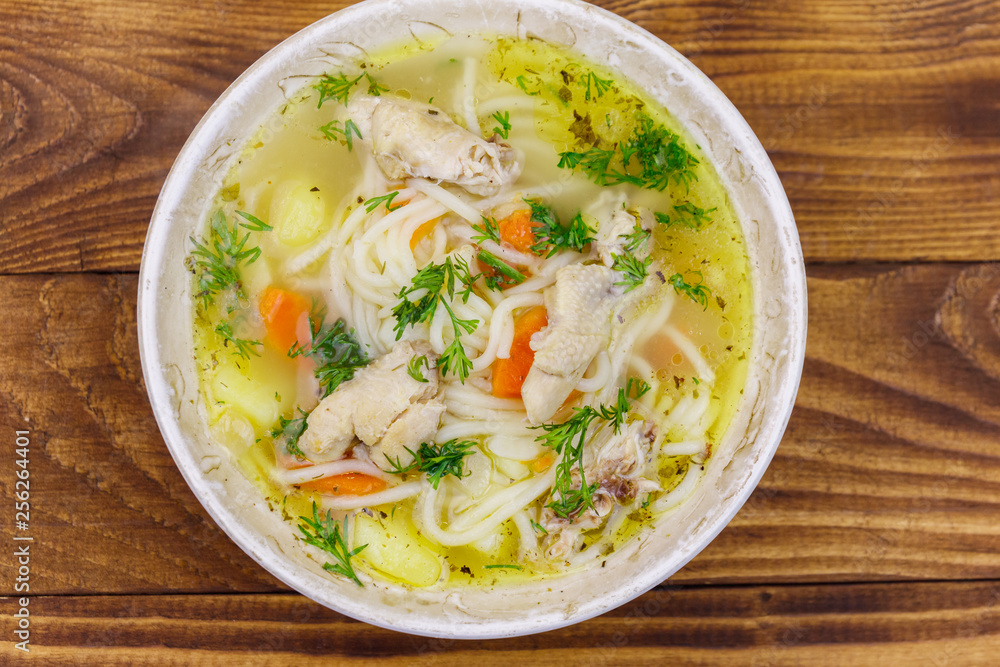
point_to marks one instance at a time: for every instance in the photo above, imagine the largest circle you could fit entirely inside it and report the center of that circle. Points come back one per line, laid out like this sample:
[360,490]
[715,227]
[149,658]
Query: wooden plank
[871,624]
[881,118]
[890,468]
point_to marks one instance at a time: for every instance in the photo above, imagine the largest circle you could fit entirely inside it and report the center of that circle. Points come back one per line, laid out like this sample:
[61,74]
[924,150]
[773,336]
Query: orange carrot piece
[281,311]
[517,229]
[542,463]
[422,232]
[509,374]
[348,484]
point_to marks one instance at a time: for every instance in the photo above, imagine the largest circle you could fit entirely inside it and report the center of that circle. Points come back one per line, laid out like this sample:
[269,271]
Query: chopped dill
[503,129]
[696,292]
[552,235]
[342,132]
[336,351]
[242,347]
[505,567]
[633,270]
[289,431]
[538,527]
[686,215]
[339,87]
[328,535]
[437,461]
[436,285]
[659,156]
[373,203]
[636,387]
[599,85]
[488,230]
[503,274]
[413,368]
[216,263]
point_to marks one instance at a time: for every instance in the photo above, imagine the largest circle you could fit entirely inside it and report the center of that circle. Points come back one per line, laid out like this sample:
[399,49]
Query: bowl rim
[153,257]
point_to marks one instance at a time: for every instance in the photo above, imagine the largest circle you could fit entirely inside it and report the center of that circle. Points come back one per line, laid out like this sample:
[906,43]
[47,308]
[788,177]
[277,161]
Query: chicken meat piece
[410,138]
[579,306]
[610,239]
[383,406]
[614,461]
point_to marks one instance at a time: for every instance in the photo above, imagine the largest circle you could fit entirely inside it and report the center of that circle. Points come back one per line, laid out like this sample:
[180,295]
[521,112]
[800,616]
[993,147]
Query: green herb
[522,83]
[616,414]
[339,87]
[373,203]
[217,263]
[437,460]
[696,380]
[413,368]
[256,224]
[488,231]
[645,503]
[328,535]
[600,85]
[503,129]
[633,270]
[696,292]
[336,351]
[658,153]
[507,567]
[243,348]
[635,238]
[504,274]
[345,135]
[435,284]
[290,430]
[686,215]
[568,439]
[538,527]
[636,387]
[552,235]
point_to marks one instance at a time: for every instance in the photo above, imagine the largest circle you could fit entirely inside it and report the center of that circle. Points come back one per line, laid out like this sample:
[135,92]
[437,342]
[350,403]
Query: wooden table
[874,537]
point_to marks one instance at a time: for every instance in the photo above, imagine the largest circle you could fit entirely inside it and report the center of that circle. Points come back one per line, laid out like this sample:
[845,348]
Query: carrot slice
[509,374]
[282,310]
[422,232]
[517,229]
[348,484]
[542,463]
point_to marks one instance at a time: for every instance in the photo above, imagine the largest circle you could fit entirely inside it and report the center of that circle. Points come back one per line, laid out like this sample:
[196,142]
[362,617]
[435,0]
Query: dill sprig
[697,292]
[568,440]
[413,368]
[326,534]
[488,230]
[633,269]
[241,346]
[289,431]
[216,263]
[436,284]
[686,215]
[437,461]
[503,273]
[635,238]
[342,132]
[552,235]
[339,87]
[502,566]
[599,85]
[337,352]
[636,387]
[538,527]
[374,202]
[503,129]
[659,156]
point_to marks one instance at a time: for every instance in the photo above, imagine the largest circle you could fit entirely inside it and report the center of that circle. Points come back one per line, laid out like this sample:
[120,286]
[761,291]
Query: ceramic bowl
[777,273]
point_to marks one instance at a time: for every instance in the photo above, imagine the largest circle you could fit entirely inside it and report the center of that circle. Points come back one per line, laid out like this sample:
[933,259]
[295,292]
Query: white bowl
[165,314]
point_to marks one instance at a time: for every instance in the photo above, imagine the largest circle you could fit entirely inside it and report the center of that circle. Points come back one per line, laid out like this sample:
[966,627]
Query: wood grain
[882,119]
[890,468]
[912,623]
